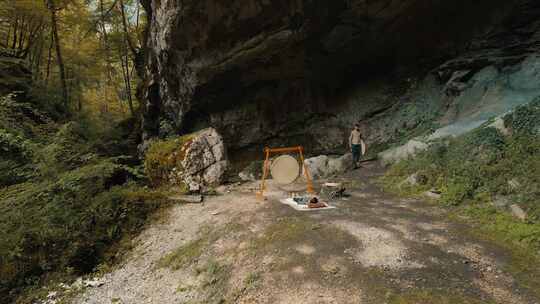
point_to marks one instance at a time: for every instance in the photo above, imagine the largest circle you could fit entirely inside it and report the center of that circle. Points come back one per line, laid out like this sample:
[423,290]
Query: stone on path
[394,155]
[432,194]
[324,166]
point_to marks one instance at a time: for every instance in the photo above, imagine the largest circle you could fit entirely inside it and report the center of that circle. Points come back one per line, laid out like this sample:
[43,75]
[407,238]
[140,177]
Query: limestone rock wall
[302,72]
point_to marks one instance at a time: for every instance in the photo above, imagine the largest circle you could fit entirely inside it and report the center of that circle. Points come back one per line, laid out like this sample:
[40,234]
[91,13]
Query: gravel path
[374,248]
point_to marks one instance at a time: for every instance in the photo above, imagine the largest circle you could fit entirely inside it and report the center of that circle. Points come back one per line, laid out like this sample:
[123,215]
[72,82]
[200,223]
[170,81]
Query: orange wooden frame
[269,151]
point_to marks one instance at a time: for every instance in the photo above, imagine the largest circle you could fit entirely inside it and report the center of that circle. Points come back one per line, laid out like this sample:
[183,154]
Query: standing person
[355,144]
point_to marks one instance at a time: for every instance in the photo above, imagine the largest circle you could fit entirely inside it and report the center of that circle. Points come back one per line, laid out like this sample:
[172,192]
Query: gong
[285,169]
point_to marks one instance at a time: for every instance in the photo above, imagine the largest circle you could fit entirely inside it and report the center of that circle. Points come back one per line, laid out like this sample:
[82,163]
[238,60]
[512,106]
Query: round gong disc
[285,169]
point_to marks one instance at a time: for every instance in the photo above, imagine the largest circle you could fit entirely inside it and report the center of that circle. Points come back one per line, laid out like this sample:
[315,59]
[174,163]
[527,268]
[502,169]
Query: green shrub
[68,149]
[15,159]
[68,223]
[525,119]
[473,169]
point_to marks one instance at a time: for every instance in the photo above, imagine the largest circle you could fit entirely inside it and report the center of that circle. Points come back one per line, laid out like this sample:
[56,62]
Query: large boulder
[326,166]
[394,155]
[191,161]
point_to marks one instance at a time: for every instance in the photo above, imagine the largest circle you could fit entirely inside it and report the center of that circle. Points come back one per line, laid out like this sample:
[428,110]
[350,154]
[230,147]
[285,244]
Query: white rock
[500,202]
[433,195]
[323,166]
[213,175]
[52,294]
[341,164]
[78,283]
[393,155]
[499,125]
[518,212]
[95,282]
[247,176]
[514,184]
[317,166]
[206,161]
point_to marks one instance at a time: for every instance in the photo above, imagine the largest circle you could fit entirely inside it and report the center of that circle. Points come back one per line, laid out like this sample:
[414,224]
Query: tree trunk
[105,42]
[15,25]
[125,58]
[137,53]
[127,81]
[21,35]
[49,58]
[33,33]
[39,56]
[8,36]
[61,67]
[126,30]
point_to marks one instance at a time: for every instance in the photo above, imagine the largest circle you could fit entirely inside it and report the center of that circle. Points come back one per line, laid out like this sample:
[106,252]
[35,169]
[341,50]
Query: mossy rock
[191,161]
[165,157]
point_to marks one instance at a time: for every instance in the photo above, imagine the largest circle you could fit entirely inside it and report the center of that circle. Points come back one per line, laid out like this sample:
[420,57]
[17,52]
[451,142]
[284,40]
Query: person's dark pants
[356,151]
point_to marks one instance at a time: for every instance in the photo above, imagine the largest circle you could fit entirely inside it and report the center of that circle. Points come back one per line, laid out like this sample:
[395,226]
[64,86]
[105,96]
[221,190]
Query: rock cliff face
[303,71]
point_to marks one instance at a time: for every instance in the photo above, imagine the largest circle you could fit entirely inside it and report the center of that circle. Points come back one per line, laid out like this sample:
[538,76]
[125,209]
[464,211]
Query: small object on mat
[314,204]
[301,200]
[298,207]
[332,185]
[333,191]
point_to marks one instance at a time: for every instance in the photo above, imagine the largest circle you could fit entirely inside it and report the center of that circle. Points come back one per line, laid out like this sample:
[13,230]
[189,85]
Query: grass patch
[477,168]
[215,284]
[284,230]
[184,255]
[252,280]
[511,234]
[190,252]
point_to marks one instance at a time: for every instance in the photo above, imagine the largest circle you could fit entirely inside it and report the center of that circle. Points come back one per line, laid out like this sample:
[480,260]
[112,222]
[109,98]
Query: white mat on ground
[296,206]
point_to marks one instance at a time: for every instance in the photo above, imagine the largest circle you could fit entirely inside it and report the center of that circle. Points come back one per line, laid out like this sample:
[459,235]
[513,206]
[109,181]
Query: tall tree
[136,52]
[54,28]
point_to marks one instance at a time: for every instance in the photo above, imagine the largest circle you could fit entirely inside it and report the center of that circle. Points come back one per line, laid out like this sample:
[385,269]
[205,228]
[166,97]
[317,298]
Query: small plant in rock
[163,160]
[252,280]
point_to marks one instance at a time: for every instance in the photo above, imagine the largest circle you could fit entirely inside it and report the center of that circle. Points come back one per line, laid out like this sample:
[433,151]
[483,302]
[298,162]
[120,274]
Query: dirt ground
[374,248]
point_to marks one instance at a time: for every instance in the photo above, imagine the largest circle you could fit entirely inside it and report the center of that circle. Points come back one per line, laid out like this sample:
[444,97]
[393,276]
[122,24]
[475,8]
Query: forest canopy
[82,54]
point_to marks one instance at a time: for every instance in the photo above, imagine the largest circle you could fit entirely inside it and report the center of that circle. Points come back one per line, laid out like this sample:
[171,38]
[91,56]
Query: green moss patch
[165,156]
[284,230]
[184,255]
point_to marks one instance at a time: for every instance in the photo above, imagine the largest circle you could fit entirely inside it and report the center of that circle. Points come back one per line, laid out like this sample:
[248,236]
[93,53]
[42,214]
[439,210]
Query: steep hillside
[67,195]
